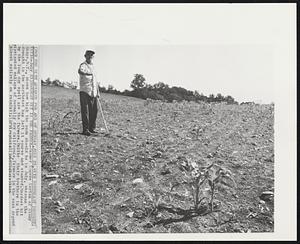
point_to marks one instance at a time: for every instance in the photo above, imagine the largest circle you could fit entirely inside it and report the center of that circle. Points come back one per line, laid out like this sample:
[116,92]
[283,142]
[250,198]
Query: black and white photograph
[171,139]
[150,121]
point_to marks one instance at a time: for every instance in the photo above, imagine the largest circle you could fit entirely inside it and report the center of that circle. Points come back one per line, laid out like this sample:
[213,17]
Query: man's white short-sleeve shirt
[88,83]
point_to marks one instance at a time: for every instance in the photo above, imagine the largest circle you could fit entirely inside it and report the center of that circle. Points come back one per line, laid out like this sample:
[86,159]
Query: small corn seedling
[175,115]
[218,178]
[205,182]
[197,131]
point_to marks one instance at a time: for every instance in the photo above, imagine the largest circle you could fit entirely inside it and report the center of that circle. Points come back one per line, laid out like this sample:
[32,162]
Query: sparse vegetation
[203,170]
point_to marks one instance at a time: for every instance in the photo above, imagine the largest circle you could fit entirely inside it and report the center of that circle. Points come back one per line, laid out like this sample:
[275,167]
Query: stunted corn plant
[175,115]
[219,177]
[206,181]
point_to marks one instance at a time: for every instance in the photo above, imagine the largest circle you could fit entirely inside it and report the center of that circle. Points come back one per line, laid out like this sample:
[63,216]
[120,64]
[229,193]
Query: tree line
[162,91]
[157,91]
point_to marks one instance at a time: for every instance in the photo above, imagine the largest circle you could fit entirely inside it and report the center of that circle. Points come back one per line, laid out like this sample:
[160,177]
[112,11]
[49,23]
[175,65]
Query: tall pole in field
[99,104]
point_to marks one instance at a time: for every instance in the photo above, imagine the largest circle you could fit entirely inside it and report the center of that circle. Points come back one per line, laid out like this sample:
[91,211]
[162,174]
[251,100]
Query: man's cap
[89,52]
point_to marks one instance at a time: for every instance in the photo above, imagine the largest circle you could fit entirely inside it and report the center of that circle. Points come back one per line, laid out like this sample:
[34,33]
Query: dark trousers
[89,111]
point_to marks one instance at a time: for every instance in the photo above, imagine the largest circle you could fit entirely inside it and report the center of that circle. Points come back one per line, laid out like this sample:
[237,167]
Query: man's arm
[83,73]
[83,70]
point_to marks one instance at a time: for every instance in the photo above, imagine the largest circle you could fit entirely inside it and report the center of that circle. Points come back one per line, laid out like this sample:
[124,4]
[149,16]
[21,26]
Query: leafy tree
[138,82]
[219,98]
[211,98]
[149,87]
[229,99]
[196,94]
[102,89]
[160,86]
[48,81]
[110,88]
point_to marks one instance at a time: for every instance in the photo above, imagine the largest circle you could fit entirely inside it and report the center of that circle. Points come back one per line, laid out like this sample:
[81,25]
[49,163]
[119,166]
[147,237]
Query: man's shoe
[94,132]
[86,133]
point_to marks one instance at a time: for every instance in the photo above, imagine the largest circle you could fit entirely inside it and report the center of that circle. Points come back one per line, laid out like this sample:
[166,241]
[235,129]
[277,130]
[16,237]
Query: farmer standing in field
[88,94]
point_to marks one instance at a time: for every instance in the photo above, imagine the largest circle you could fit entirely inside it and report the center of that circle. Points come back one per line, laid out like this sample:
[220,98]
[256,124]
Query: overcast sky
[242,71]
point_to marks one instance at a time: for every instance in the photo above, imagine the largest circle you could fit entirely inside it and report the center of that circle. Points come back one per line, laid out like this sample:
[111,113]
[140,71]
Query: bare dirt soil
[136,179]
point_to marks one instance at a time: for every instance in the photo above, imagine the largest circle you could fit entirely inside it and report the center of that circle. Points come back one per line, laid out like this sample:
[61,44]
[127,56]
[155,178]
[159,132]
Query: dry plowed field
[140,178]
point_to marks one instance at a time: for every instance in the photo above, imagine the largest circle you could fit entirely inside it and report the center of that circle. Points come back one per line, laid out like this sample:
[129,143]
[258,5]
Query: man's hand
[83,73]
